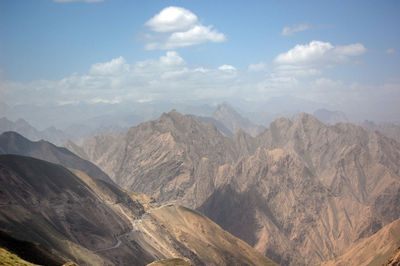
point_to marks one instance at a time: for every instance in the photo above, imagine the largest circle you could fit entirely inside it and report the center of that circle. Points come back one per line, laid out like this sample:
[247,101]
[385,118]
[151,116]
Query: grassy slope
[8,258]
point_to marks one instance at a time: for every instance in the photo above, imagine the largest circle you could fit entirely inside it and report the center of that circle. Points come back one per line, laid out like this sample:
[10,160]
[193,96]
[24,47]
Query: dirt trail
[134,228]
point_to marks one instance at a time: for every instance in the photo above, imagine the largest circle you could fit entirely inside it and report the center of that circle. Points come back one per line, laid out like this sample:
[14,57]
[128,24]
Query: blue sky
[111,51]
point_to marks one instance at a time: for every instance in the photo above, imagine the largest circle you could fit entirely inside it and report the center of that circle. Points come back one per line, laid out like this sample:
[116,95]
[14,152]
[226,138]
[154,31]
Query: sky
[345,54]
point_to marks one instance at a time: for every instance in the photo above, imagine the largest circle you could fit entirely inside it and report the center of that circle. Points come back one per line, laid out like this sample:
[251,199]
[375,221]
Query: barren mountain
[46,203]
[330,117]
[92,222]
[301,192]
[390,130]
[14,251]
[24,128]
[232,120]
[165,157]
[14,143]
[374,250]
[394,260]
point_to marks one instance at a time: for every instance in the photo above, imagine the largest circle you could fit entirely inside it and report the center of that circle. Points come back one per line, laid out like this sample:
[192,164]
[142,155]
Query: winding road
[134,228]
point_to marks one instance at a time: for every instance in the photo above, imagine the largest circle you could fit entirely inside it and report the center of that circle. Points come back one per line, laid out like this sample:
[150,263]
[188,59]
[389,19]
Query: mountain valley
[92,222]
[301,192]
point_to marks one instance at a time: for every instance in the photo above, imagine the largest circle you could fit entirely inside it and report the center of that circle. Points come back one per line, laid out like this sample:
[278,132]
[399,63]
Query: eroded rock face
[382,248]
[301,192]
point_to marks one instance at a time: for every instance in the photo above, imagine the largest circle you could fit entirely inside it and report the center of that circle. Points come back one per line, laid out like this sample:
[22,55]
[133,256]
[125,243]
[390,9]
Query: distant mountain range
[388,129]
[301,192]
[74,132]
[22,127]
[14,143]
[330,117]
[235,122]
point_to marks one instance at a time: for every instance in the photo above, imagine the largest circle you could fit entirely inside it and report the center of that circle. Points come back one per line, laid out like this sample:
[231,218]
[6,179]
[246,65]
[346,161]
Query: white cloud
[172,19]
[319,53]
[101,100]
[170,77]
[296,71]
[227,68]
[183,30]
[165,77]
[350,50]
[262,66]
[172,58]
[114,67]
[290,30]
[196,35]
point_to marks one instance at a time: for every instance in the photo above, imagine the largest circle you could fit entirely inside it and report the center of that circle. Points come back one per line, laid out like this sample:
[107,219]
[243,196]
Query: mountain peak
[225,109]
[307,119]
[232,120]
[330,117]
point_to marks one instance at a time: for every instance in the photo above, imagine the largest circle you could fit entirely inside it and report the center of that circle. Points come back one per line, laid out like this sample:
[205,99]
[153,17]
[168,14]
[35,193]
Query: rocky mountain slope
[394,260]
[390,130]
[301,192]
[24,128]
[92,222]
[14,143]
[374,250]
[232,120]
[17,252]
[330,117]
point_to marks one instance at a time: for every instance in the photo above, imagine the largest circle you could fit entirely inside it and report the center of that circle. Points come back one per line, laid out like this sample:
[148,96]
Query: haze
[69,62]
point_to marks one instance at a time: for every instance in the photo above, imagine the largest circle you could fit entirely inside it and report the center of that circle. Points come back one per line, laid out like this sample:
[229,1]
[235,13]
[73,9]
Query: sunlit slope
[202,241]
[373,250]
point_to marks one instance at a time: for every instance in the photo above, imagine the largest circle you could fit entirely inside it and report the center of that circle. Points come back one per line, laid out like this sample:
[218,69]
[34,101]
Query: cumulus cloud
[290,30]
[172,58]
[172,19]
[319,53]
[196,35]
[227,68]
[166,77]
[258,67]
[169,76]
[183,28]
[114,67]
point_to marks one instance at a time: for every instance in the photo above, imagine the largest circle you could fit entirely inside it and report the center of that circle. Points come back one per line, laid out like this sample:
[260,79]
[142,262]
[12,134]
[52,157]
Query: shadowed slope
[93,222]
[45,203]
[14,143]
[307,190]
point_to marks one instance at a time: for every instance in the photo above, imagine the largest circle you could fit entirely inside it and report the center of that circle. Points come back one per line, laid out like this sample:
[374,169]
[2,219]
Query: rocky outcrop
[394,260]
